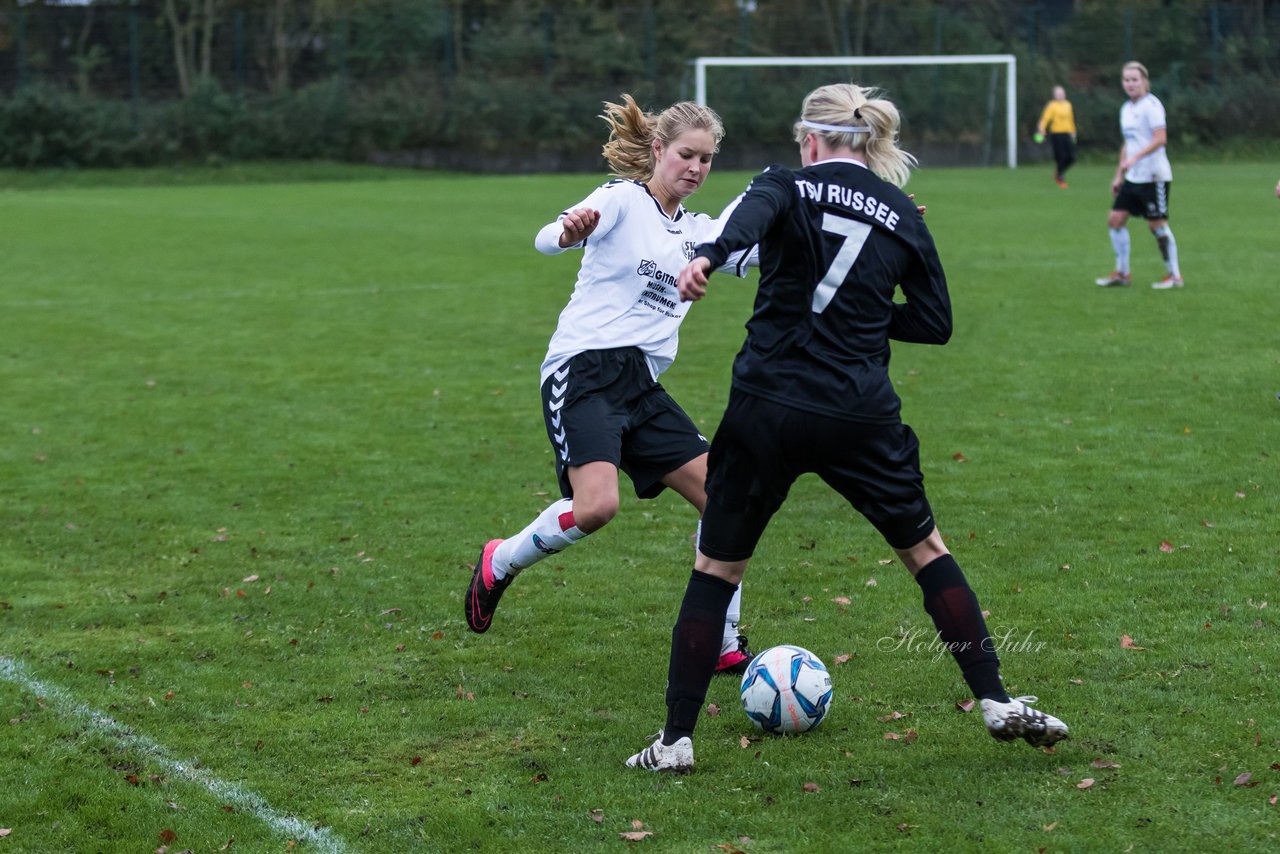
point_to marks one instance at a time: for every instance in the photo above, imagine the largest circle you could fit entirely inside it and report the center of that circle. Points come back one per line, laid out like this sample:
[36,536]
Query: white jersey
[626,293]
[1138,122]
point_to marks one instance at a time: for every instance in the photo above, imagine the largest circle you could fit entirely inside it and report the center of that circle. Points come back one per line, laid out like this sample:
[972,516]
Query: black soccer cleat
[484,591]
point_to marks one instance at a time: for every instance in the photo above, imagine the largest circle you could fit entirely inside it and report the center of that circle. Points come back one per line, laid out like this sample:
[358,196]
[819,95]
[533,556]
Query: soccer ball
[786,689]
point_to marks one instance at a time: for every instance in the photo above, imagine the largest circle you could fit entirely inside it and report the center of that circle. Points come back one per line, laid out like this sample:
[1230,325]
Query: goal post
[1008,60]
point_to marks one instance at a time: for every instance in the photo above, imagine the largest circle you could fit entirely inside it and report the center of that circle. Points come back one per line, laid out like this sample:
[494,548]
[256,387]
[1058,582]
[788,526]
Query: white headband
[833,128]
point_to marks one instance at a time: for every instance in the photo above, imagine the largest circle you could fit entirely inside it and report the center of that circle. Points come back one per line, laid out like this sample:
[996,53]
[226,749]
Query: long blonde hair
[850,105]
[632,131]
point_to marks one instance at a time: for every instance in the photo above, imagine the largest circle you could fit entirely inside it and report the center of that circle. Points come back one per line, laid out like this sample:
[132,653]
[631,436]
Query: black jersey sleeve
[764,201]
[925,317]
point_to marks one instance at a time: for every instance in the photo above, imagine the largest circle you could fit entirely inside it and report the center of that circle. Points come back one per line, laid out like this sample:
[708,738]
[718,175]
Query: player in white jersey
[602,403]
[1143,180]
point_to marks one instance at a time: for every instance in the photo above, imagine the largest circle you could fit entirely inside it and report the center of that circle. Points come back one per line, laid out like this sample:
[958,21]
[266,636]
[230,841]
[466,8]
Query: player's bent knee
[592,515]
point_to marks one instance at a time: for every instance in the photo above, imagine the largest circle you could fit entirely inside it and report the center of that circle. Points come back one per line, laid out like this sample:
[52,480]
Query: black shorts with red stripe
[604,405]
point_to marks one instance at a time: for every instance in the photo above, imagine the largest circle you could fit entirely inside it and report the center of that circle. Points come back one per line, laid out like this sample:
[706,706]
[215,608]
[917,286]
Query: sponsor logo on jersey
[689,246]
[660,277]
[651,294]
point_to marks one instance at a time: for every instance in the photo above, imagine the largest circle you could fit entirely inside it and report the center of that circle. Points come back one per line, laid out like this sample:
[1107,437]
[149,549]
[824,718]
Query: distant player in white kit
[602,403]
[1143,180]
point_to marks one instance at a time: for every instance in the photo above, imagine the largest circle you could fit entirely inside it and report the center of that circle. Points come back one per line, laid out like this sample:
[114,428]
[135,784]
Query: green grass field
[256,430]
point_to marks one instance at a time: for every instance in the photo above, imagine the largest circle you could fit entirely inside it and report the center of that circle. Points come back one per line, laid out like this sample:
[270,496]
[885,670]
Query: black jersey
[835,243]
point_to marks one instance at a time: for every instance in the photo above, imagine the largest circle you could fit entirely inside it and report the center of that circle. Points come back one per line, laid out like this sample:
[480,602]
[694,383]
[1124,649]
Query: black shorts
[1150,201]
[603,405]
[761,447]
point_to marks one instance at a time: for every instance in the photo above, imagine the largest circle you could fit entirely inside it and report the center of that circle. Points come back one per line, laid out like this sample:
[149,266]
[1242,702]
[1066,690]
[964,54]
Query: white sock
[1120,242]
[1169,249]
[731,618]
[551,533]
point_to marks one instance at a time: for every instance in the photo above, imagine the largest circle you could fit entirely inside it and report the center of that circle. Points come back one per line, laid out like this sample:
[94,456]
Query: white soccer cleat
[1016,719]
[676,758]
[1167,282]
[1115,280]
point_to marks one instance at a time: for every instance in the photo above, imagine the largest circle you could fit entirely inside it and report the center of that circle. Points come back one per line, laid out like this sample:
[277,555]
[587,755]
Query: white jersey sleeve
[739,261]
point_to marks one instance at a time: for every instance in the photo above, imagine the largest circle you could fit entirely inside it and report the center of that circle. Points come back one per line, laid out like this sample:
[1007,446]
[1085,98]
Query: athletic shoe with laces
[735,661]
[676,758]
[1167,282]
[1016,719]
[1115,280]
[484,591]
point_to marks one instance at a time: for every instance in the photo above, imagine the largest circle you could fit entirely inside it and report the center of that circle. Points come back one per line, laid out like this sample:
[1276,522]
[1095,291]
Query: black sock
[695,649]
[956,614]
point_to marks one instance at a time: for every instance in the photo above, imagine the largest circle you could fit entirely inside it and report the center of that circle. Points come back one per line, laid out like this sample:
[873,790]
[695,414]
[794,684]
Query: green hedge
[42,127]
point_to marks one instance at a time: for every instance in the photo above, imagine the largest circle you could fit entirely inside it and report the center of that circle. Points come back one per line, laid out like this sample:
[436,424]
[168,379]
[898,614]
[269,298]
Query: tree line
[436,82]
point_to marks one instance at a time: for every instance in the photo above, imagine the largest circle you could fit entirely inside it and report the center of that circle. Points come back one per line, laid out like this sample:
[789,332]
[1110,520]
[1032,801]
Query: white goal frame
[1008,60]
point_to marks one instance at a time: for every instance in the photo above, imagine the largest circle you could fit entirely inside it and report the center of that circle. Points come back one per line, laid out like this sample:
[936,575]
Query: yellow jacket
[1058,118]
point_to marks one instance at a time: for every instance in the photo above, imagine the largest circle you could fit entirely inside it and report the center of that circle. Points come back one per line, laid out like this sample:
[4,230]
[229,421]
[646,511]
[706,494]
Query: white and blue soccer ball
[786,689]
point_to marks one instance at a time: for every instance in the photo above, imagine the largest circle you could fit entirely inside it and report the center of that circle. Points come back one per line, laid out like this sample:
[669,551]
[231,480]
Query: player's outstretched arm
[578,225]
[692,281]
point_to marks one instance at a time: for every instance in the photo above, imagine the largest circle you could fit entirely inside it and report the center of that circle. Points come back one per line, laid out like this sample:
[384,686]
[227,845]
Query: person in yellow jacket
[1059,122]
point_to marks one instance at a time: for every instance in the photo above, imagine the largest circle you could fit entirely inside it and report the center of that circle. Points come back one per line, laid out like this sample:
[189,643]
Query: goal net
[956,110]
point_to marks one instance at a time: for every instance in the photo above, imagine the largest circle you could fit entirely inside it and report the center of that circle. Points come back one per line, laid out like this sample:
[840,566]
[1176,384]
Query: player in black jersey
[811,393]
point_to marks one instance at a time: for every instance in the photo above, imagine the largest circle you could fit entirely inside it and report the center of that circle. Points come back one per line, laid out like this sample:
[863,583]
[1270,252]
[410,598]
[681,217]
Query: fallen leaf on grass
[1049,827]
[744,742]
[965,705]
[1126,642]
[596,815]
[712,710]
[1166,546]
[959,457]
[892,716]
[1244,779]
[167,836]
[871,582]
[840,659]
[1085,783]
[635,835]
[249,579]
[892,736]
[810,788]
[1104,763]
[842,600]
[1271,800]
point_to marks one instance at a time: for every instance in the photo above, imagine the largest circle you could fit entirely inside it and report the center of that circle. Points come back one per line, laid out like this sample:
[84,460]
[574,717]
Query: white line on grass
[250,802]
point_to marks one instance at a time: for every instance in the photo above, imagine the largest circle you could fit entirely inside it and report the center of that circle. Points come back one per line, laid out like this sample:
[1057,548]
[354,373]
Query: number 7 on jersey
[855,237]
